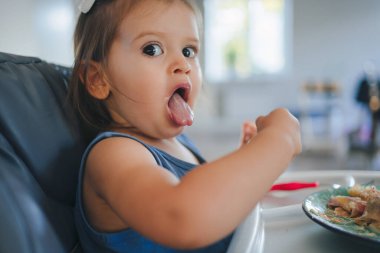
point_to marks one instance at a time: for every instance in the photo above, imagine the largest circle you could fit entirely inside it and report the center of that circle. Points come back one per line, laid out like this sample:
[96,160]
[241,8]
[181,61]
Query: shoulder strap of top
[190,145]
[109,134]
[182,138]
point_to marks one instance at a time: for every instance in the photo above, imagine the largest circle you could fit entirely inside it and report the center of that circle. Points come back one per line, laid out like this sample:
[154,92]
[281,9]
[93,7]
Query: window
[245,38]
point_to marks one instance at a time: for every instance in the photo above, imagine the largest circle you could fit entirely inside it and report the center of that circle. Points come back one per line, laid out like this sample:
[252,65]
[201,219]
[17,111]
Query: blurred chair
[365,138]
[321,119]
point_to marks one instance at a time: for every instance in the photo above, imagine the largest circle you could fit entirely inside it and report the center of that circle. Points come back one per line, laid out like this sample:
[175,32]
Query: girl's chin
[173,130]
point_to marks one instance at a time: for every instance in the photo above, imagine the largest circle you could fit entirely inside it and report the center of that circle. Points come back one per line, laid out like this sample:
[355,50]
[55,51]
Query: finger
[252,128]
[249,131]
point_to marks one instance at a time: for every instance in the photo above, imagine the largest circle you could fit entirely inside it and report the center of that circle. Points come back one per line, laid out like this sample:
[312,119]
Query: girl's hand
[249,131]
[282,122]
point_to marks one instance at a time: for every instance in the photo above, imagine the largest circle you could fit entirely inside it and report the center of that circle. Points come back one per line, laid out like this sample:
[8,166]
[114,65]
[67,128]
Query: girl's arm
[209,202]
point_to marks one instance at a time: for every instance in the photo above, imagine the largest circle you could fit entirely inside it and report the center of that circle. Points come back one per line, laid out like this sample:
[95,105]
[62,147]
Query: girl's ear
[96,81]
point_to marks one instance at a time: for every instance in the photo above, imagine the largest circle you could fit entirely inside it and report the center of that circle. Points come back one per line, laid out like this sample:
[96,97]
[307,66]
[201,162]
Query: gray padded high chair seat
[41,144]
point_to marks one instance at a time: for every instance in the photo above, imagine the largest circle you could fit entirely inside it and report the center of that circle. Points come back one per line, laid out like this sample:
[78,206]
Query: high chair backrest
[41,143]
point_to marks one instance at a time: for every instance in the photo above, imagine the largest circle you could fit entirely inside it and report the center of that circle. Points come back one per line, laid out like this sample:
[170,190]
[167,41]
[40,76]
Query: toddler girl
[143,186]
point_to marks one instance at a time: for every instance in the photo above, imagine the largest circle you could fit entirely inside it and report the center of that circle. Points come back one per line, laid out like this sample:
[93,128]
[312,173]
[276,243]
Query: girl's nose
[181,65]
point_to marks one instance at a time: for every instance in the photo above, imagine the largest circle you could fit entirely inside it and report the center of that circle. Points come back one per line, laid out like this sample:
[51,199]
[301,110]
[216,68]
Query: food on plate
[347,206]
[371,216]
[362,205]
[364,192]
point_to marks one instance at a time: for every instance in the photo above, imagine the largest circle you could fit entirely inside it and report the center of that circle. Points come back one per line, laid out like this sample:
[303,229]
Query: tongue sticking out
[181,112]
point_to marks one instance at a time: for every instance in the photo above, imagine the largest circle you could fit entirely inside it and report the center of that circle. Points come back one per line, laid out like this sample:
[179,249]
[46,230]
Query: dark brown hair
[94,34]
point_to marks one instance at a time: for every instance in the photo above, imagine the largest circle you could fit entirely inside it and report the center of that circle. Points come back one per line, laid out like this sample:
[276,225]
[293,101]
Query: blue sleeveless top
[128,240]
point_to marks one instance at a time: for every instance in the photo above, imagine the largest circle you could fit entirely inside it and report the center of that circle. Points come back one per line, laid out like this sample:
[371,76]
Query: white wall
[333,39]
[41,28]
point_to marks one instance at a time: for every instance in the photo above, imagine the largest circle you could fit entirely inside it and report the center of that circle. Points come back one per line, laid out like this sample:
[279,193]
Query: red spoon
[291,186]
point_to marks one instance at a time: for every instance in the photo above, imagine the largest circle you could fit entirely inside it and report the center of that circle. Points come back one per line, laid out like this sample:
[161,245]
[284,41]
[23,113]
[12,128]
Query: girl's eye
[189,52]
[152,50]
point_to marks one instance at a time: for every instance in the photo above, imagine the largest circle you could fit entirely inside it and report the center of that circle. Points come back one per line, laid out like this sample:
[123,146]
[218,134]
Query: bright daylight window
[244,38]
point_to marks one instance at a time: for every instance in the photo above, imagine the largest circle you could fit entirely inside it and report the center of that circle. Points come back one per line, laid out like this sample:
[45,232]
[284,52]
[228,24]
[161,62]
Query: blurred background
[318,58]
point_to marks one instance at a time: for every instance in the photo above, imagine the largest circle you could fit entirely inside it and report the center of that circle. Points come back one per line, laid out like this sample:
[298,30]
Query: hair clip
[85,5]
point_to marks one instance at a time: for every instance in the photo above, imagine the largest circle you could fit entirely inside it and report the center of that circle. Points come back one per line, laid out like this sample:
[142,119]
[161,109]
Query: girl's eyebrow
[163,34]
[148,33]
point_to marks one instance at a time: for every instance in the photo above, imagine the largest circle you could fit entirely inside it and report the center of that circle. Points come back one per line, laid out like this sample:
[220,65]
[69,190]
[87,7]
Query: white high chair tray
[279,225]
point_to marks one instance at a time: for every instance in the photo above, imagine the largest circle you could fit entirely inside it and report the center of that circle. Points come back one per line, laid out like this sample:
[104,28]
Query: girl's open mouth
[179,110]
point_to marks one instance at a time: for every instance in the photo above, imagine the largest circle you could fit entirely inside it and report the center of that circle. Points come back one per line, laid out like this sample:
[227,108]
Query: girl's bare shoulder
[115,157]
